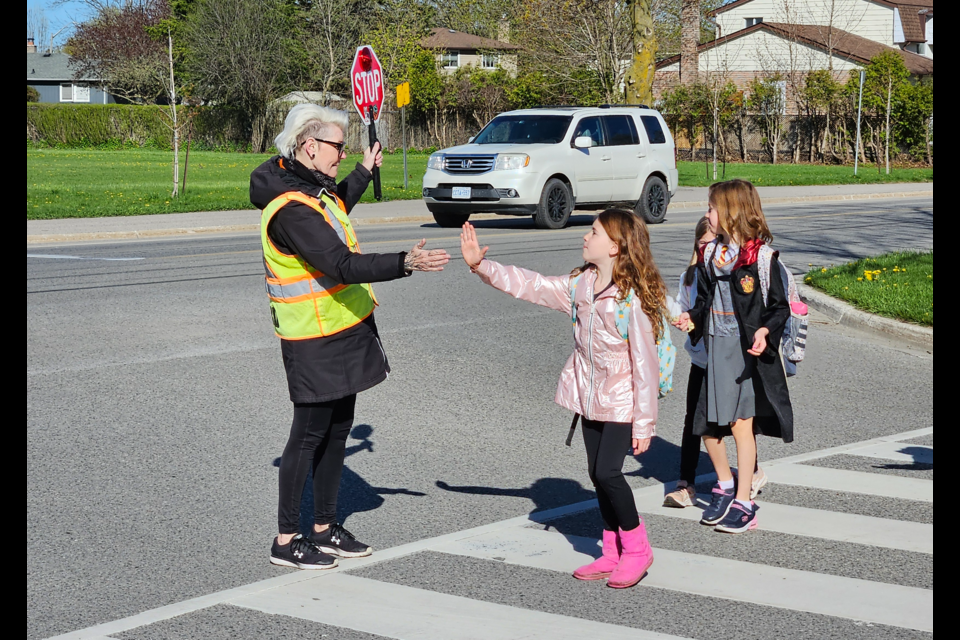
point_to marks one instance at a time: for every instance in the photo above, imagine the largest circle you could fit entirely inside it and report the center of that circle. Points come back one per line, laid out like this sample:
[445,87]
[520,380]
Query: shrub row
[126,125]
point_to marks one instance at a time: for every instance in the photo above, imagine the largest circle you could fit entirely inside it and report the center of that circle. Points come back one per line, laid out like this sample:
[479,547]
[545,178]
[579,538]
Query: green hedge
[109,126]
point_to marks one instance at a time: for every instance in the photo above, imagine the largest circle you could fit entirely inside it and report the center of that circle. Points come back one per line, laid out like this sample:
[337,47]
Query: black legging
[607,444]
[317,439]
[689,443]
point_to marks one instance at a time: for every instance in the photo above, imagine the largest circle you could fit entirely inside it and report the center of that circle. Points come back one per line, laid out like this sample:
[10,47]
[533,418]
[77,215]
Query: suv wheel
[654,200]
[450,220]
[556,203]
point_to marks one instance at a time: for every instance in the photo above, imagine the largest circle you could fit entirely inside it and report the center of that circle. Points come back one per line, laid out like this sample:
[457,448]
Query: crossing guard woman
[321,304]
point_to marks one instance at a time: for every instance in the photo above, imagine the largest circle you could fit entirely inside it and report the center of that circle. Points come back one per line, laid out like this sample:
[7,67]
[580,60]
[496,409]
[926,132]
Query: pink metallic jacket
[606,378]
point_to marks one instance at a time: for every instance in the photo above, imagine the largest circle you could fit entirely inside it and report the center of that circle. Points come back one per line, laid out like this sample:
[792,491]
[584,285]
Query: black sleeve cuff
[362,170]
[403,271]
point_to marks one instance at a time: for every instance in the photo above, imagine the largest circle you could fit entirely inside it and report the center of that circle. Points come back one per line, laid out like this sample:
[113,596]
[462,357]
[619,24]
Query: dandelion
[868,275]
[859,279]
[823,269]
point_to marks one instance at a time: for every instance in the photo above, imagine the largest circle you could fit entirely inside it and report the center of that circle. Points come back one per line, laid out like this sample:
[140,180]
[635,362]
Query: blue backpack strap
[623,315]
[573,301]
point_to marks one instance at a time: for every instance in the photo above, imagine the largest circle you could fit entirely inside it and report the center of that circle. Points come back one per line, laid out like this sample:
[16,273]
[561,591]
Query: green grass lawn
[76,183]
[694,174]
[65,183]
[896,285]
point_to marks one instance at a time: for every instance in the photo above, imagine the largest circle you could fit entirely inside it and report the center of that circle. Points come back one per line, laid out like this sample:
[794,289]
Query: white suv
[547,161]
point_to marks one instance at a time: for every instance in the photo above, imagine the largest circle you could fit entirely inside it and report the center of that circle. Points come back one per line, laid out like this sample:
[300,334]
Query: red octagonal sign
[366,81]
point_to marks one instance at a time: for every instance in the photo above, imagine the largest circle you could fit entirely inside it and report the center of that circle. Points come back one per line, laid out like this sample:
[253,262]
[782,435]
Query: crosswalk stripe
[875,484]
[897,452]
[396,611]
[863,600]
[816,523]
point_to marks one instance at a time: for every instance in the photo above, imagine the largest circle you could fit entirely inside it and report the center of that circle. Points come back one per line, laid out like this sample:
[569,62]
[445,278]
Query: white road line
[52,256]
[897,451]
[816,523]
[874,484]
[874,602]
[395,611]
[97,632]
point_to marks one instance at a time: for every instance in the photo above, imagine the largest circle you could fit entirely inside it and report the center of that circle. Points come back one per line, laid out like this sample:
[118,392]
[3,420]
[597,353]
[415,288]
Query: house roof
[54,67]
[845,45]
[913,18]
[442,38]
[928,4]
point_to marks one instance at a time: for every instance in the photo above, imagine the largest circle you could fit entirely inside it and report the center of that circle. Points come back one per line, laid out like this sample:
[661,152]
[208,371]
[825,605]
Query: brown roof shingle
[845,44]
[441,38]
[913,18]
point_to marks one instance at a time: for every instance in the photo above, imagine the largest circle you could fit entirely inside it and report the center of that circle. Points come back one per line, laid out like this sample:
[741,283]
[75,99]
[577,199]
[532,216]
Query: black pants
[607,444]
[689,443]
[317,440]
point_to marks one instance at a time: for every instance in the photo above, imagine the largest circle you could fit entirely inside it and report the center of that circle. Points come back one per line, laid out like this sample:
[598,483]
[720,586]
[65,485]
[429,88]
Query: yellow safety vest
[304,302]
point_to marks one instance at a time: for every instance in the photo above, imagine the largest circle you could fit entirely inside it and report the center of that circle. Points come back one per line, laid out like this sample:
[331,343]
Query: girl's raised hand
[640,445]
[759,342]
[472,253]
[683,321]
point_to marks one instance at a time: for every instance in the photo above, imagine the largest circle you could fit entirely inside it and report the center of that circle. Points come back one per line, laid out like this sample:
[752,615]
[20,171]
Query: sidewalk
[400,211]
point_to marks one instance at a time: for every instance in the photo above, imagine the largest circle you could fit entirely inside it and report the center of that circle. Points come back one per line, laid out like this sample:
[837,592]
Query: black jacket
[774,413]
[353,360]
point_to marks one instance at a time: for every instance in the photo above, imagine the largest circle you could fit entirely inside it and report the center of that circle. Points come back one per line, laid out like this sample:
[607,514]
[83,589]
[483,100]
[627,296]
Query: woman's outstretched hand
[419,260]
[472,253]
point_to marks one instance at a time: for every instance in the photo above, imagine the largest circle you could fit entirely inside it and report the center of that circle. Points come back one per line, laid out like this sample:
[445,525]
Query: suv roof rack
[580,106]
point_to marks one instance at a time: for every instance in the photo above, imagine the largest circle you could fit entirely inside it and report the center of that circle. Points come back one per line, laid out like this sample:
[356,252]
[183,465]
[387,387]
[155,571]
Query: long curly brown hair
[634,267]
[740,214]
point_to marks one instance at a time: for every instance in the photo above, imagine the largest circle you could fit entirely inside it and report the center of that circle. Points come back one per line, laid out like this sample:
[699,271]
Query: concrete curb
[847,315]
[154,233]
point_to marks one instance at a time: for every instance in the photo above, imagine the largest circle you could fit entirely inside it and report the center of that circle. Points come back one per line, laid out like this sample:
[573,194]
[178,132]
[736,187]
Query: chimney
[503,31]
[689,39]
[31,47]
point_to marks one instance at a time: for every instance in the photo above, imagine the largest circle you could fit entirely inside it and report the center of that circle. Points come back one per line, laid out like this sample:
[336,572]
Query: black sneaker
[301,553]
[719,505]
[338,541]
[738,519]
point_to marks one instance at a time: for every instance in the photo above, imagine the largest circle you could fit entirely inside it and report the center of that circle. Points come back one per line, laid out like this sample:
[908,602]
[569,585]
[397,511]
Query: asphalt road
[156,402]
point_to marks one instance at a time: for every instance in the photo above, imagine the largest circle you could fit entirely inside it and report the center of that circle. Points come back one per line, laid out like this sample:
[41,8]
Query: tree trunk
[639,78]
[886,146]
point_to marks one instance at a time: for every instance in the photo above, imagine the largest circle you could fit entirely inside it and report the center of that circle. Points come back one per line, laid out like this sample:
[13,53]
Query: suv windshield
[524,130]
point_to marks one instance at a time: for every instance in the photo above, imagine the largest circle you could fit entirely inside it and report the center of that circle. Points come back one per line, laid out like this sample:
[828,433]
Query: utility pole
[856,157]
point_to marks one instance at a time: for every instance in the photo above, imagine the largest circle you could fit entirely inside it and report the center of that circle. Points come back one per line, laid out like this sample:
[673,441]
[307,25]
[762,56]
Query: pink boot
[606,563]
[636,559]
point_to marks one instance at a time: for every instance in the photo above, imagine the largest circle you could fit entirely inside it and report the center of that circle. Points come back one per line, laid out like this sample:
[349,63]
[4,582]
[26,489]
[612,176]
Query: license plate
[461,193]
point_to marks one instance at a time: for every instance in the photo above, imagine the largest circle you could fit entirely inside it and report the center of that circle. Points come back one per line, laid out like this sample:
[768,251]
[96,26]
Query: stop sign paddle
[366,82]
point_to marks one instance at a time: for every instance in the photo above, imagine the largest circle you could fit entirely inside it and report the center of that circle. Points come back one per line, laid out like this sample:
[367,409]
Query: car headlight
[508,161]
[435,161]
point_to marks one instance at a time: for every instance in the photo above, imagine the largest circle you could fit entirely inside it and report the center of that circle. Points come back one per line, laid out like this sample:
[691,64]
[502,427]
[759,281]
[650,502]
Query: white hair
[308,121]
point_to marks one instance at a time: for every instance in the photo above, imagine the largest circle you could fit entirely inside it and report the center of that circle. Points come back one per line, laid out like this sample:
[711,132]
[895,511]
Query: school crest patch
[746,283]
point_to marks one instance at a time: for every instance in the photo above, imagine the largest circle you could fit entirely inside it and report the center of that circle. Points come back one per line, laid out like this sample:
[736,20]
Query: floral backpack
[666,354]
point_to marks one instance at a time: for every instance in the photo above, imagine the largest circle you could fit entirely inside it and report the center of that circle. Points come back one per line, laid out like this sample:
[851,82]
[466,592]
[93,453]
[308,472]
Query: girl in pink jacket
[611,382]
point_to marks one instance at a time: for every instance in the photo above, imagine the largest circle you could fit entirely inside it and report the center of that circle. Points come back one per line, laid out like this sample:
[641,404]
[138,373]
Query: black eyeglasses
[339,146]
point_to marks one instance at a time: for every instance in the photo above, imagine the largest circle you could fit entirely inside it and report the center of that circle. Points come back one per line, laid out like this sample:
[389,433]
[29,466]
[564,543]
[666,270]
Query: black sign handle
[377,192]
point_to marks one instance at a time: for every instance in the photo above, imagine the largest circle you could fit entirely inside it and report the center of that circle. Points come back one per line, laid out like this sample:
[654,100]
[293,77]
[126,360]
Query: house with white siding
[761,38]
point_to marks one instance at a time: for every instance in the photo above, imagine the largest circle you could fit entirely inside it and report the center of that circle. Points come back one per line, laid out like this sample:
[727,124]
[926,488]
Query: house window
[753,21]
[450,59]
[74,92]
[491,60]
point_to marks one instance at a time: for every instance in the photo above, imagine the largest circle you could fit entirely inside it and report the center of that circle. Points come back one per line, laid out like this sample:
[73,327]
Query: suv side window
[590,127]
[620,130]
[654,130]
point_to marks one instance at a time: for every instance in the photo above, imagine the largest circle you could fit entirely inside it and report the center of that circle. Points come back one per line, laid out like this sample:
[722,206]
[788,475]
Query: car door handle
[605,158]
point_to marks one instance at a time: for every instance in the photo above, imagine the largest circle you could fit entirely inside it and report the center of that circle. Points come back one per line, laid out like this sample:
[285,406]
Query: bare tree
[239,57]
[116,48]
[570,36]
[334,28]
[38,27]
